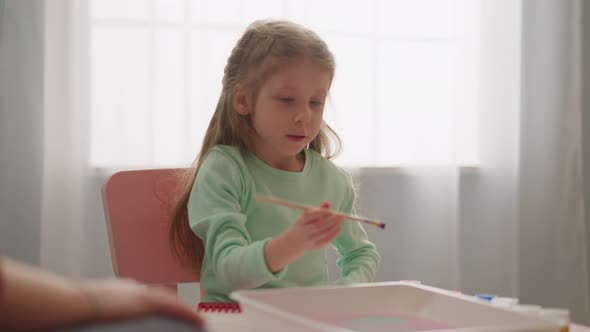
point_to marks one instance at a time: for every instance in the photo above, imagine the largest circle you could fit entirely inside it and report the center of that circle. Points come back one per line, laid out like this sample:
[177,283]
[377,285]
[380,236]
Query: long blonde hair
[264,46]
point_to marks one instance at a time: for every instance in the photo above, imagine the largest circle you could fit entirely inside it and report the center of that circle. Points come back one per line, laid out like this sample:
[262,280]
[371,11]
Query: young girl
[267,137]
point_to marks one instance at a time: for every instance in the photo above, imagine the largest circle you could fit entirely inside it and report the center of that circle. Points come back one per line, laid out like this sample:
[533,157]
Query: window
[405,91]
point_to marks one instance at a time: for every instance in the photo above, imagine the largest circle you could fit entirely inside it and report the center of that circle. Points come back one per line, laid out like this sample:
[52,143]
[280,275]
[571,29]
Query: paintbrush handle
[277,201]
[294,205]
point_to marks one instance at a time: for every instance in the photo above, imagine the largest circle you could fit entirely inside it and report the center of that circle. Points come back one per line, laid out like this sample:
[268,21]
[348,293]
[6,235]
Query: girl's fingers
[328,236]
[311,214]
[336,218]
[315,215]
[328,225]
[320,226]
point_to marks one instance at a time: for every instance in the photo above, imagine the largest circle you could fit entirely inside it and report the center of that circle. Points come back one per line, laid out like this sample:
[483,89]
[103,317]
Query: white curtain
[552,239]
[66,172]
[513,224]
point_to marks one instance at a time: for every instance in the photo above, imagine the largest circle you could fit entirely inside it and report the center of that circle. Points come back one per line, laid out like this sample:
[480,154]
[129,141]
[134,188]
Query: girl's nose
[303,114]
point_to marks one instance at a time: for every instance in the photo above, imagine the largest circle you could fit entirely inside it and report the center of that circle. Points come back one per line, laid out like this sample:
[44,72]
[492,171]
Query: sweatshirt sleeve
[216,216]
[359,259]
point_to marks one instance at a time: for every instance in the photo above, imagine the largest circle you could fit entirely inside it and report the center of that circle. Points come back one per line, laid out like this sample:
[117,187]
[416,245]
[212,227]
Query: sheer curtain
[482,194]
[513,225]
[551,232]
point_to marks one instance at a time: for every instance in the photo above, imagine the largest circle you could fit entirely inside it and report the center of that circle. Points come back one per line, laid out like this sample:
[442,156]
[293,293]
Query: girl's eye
[316,103]
[286,99]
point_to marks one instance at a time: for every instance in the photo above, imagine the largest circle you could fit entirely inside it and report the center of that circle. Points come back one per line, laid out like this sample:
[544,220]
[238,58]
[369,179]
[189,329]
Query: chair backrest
[137,207]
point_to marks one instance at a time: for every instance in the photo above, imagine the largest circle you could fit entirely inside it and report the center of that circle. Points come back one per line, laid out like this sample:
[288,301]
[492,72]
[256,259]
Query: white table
[237,322]
[217,322]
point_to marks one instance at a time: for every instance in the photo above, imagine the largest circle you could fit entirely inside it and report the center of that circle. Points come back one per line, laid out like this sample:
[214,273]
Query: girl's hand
[115,299]
[313,230]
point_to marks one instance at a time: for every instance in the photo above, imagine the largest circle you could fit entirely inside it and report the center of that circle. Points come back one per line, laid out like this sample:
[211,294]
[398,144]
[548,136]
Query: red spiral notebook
[221,307]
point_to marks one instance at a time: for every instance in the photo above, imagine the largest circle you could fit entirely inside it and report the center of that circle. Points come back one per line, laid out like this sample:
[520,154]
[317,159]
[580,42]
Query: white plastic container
[559,316]
[527,309]
[505,302]
[391,306]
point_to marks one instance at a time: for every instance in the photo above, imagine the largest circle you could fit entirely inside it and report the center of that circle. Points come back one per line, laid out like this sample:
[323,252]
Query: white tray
[378,307]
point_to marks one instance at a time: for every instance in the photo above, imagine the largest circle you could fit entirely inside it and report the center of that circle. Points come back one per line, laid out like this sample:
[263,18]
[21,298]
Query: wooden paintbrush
[294,205]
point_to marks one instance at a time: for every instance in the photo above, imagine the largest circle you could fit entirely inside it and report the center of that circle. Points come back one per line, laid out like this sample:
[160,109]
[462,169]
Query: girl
[267,137]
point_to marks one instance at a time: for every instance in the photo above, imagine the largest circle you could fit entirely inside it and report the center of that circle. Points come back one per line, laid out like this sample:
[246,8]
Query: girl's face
[288,113]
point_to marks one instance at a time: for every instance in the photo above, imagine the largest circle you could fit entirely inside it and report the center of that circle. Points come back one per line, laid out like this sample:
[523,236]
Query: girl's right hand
[315,228]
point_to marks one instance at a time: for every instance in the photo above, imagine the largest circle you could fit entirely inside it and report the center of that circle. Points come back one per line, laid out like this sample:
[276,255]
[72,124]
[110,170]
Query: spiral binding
[221,307]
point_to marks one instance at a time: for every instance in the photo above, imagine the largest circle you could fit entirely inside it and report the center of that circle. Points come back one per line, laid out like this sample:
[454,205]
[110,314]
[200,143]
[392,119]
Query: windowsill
[105,171]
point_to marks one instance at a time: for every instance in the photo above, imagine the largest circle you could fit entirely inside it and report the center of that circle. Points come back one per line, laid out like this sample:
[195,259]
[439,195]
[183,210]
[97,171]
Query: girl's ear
[240,101]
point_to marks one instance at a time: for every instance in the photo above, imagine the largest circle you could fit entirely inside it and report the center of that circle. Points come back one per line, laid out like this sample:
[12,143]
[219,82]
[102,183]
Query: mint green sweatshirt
[224,213]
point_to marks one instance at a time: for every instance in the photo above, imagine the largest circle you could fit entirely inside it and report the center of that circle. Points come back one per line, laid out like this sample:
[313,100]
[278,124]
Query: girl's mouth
[296,138]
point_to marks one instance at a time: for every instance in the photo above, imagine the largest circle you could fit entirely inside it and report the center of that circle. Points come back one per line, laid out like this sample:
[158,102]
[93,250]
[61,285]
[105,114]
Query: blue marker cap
[487,297]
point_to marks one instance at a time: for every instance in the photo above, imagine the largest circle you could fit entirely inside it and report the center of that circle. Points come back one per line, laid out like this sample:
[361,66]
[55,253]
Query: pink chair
[137,207]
